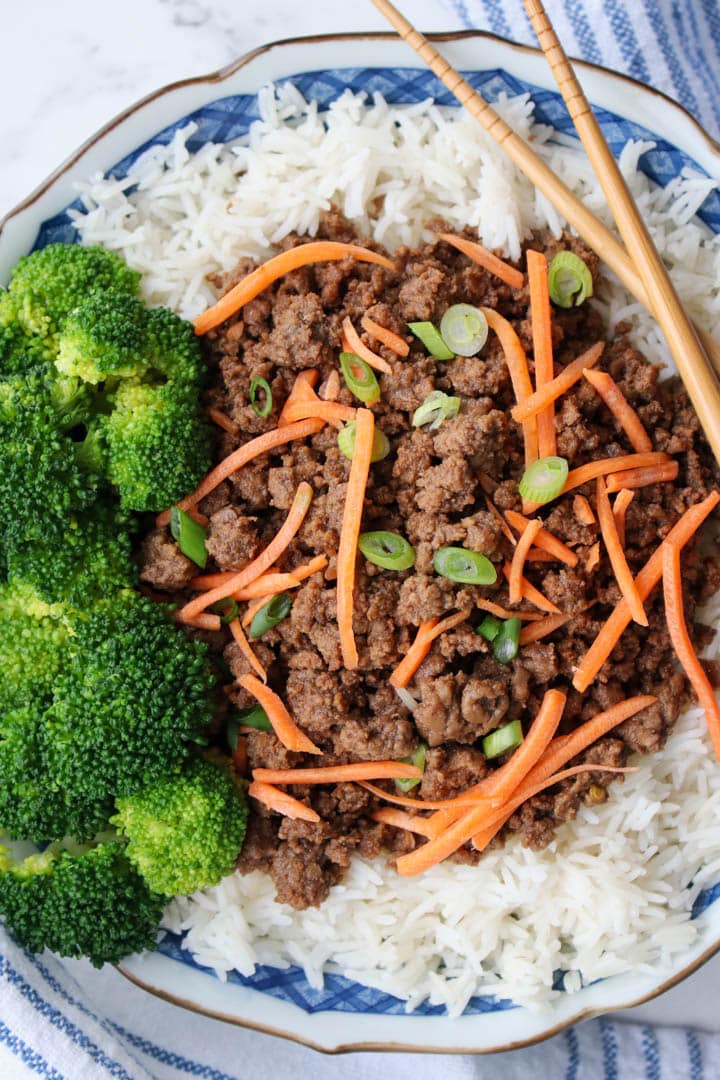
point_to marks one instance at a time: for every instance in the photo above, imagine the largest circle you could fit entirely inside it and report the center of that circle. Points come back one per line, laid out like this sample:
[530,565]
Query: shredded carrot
[350,531]
[427,632]
[532,595]
[401,820]
[352,342]
[621,409]
[331,389]
[516,361]
[302,390]
[645,582]
[251,450]
[197,516]
[544,539]
[506,613]
[277,799]
[340,774]
[286,533]
[536,554]
[266,585]
[639,478]
[324,410]
[204,582]
[583,510]
[558,386]
[389,338]
[541,317]
[604,466]
[246,649]
[486,259]
[468,798]
[542,628]
[619,564]
[677,628]
[282,722]
[204,621]
[517,565]
[223,421]
[507,532]
[593,557]
[292,259]
[620,506]
[306,570]
[256,606]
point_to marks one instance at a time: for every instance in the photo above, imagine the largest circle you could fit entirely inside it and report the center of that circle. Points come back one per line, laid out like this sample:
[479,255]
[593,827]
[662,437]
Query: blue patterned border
[229,118]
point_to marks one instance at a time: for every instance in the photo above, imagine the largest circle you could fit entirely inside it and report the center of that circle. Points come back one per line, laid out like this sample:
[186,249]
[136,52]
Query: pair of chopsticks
[644,274]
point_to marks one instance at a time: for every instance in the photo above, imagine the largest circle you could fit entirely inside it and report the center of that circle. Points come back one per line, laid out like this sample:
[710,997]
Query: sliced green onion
[346,442]
[387,549]
[190,536]
[276,609]
[417,759]
[359,378]
[432,340]
[468,567]
[227,609]
[264,385]
[505,738]
[544,479]
[254,717]
[464,329]
[507,642]
[489,628]
[569,280]
[436,407]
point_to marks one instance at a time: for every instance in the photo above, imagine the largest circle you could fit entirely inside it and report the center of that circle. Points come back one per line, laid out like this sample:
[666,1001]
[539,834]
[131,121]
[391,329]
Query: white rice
[613,892]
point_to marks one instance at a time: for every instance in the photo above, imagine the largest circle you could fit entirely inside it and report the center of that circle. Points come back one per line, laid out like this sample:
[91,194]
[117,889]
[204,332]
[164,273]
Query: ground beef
[447,486]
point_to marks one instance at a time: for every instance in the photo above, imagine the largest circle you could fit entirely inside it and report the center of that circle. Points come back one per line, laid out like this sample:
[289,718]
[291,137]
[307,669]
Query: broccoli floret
[40,479]
[174,348]
[32,807]
[184,831]
[130,695]
[91,560]
[158,444]
[86,903]
[34,639]
[105,337]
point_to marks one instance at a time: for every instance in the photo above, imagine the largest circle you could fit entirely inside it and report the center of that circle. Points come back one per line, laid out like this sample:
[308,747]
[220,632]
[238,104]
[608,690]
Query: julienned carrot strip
[513,773]
[204,621]
[302,390]
[427,632]
[253,609]
[682,531]
[619,564]
[604,466]
[340,774]
[541,317]
[277,799]
[639,478]
[251,450]
[282,722]
[459,802]
[536,554]
[246,649]
[292,259]
[533,595]
[506,531]
[620,506]
[506,613]
[401,820]
[558,386]
[583,511]
[593,557]
[387,337]
[349,533]
[621,409]
[544,539]
[516,361]
[291,525]
[324,410]
[540,629]
[205,582]
[517,565]
[223,421]
[352,342]
[306,570]
[266,585]
[677,628]
[486,259]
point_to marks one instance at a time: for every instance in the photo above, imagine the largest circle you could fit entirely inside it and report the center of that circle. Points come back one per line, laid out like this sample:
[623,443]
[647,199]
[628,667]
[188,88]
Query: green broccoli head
[86,903]
[158,443]
[106,337]
[32,807]
[40,479]
[33,642]
[175,349]
[184,831]
[132,693]
[92,559]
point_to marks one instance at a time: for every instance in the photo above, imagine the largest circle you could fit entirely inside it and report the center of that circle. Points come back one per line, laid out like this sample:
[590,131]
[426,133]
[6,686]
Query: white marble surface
[69,65]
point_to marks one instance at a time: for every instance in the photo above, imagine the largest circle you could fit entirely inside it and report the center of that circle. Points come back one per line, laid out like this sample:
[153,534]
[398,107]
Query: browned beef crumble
[432,488]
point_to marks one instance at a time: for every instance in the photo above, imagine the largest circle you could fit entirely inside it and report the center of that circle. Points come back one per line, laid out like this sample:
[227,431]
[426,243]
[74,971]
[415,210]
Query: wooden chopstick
[593,232]
[697,375]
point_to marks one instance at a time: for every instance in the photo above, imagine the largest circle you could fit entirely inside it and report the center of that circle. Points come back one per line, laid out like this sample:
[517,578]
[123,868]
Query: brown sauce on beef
[432,489]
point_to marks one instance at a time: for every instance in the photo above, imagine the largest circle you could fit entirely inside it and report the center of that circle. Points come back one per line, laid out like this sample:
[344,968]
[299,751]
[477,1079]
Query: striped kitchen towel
[673,45]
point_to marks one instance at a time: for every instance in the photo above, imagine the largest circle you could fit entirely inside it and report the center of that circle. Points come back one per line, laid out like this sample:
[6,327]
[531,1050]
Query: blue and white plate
[345,1015]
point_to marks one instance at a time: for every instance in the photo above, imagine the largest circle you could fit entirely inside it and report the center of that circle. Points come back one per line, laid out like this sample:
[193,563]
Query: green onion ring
[190,536]
[465,566]
[387,549]
[489,628]
[359,378]
[346,442]
[507,643]
[436,407]
[464,329]
[276,609]
[569,280]
[227,609]
[261,384]
[544,479]
[430,336]
[505,738]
